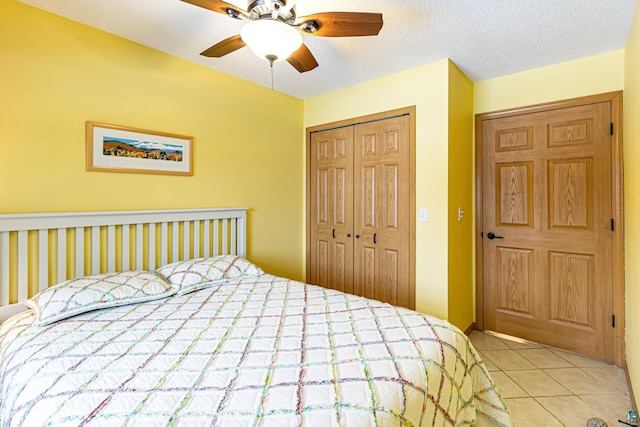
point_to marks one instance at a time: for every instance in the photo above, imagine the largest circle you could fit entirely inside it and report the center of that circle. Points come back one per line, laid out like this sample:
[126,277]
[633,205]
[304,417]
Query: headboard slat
[139,259]
[95,249]
[175,233]
[111,248]
[126,247]
[207,240]
[151,246]
[225,239]
[233,236]
[61,255]
[48,248]
[79,250]
[216,236]
[23,266]
[43,259]
[164,239]
[4,268]
[196,239]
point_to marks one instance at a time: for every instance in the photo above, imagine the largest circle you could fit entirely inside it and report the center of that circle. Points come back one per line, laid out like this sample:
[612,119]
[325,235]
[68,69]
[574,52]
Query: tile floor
[545,386]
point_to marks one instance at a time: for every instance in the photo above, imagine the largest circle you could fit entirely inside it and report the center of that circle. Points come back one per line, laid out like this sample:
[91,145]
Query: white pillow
[89,293]
[11,310]
[200,273]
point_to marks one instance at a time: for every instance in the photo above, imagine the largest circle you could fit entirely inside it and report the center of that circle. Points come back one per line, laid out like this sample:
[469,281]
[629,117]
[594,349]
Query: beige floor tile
[506,386]
[526,412]
[508,359]
[544,358]
[488,363]
[613,406]
[537,383]
[515,343]
[578,360]
[483,341]
[611,375]
[566,389]
[578,381]
[570,410]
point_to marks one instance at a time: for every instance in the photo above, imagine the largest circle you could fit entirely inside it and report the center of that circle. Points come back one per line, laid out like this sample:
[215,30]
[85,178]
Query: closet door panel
[366,208]
[332,209]
[393,233]
[390,196]
[322,261]
[341,261]
[367,273]
[387,290]
[368,197]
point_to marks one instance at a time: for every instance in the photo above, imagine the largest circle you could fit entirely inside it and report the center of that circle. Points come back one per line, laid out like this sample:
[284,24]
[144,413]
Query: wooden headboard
[40,250]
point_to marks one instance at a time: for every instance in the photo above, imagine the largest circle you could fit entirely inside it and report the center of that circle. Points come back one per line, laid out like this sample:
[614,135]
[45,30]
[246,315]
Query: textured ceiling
[485,38]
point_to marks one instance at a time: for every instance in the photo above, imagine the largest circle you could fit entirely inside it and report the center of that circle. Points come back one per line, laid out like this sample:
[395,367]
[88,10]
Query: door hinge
[613,225]
[613,320]
[611,129]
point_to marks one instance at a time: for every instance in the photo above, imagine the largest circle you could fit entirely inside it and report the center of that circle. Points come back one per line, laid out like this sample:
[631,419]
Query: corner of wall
[631,143]
[460,281]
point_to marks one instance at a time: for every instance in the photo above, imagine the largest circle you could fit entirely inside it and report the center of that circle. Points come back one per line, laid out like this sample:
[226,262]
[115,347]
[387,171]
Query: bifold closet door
[332,209]
[381,210]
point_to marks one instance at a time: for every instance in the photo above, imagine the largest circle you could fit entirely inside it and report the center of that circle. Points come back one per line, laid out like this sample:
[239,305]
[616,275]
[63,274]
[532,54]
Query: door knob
[492,236]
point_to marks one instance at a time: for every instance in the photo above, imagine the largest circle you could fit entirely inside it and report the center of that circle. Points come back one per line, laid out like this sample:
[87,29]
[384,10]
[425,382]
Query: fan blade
[225,46]
[217,6]
[344,24]
[302,59]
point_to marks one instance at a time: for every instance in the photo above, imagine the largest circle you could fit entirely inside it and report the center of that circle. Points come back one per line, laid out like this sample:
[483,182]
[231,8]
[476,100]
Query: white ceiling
[485,38]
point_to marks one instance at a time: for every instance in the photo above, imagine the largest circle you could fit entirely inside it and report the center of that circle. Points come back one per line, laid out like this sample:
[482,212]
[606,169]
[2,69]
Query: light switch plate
[424,215]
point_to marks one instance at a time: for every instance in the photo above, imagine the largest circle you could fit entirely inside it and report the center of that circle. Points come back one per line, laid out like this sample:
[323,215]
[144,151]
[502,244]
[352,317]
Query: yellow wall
[587,76]
[632,201]
[56,74]
[461,181]
[426,87]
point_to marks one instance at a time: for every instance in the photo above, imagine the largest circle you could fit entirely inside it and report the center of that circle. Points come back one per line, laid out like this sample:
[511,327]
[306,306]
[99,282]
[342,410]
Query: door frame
[409,111]
[617,204]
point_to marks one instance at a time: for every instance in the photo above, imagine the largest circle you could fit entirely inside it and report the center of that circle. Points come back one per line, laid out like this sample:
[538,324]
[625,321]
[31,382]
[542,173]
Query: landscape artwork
[121,147]
[114,148]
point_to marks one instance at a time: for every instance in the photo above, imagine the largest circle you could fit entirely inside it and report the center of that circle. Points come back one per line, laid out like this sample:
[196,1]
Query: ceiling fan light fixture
[270,38]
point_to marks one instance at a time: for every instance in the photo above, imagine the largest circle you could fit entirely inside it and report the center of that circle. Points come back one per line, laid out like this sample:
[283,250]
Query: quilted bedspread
[261,351]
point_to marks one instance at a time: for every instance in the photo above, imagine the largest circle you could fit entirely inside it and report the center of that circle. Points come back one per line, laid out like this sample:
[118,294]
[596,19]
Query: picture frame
[114,148]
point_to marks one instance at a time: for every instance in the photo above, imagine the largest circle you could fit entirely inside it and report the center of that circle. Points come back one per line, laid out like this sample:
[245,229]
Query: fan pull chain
[271,59]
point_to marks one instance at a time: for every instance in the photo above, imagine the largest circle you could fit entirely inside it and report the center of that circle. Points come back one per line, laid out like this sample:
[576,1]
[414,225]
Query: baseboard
[470,329]
[633,400]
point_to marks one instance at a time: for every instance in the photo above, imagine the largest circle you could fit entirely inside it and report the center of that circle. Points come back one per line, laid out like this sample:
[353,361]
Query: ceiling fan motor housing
[261,9]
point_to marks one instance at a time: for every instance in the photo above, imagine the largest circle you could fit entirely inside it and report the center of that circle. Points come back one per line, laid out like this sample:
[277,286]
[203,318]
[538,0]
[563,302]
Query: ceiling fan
[273,30]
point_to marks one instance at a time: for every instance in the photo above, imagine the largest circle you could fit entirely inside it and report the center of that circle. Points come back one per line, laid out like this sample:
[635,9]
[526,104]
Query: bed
[184,330]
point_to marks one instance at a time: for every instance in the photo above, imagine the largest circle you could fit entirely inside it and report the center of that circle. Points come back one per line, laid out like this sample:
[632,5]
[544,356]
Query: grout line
[548,411]
[585,369]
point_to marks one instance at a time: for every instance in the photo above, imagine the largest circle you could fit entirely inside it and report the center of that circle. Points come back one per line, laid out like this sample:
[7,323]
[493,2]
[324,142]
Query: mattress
[250,351]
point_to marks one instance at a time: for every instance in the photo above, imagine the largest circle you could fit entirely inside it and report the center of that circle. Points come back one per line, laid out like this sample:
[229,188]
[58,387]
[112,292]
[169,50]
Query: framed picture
[113,148]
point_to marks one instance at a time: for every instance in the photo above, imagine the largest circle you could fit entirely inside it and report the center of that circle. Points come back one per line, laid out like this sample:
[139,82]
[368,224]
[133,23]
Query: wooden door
[547,226]
[331,216]
[382,210]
